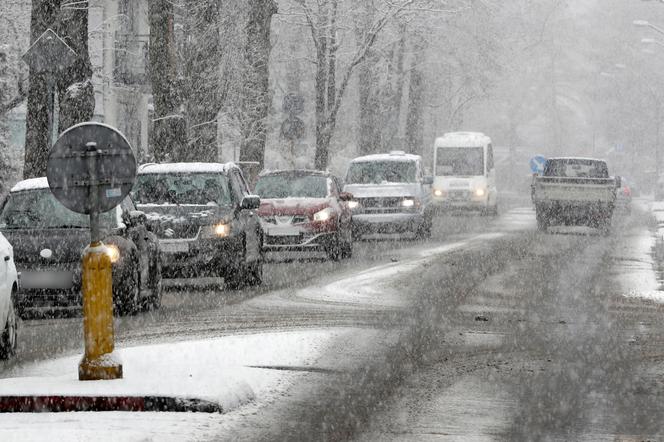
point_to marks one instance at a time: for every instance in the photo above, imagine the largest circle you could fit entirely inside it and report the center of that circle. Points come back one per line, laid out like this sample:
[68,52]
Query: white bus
[464,173]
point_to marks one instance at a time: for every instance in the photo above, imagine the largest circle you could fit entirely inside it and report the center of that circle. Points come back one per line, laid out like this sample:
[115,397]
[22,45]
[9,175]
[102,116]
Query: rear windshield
[377,172]
[209,189]
[38,209]
[291,186]
[575,168]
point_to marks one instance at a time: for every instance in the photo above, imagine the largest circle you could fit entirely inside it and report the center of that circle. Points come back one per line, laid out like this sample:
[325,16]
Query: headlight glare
[353,204]
[408,202]
[323,215]
[113,252]
[480,192]
[222,230]
[437,192]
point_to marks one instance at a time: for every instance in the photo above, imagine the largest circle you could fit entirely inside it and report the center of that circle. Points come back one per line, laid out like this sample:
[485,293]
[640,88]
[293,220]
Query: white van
[464,173]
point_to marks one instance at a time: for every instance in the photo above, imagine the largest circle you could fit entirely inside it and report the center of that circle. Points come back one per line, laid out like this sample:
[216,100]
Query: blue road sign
[537,164]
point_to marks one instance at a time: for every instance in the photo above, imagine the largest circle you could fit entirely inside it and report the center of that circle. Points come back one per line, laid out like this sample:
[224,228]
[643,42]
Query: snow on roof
[463,139]
[294,172]
[576,158]
[31,184]
[185,168]
[392,156]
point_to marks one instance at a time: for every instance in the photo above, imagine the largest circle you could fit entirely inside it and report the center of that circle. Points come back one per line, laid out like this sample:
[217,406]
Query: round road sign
[91,168]
[537,164]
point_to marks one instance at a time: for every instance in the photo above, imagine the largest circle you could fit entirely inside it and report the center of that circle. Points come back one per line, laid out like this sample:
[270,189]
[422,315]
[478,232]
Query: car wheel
[157,290]
[8,340]
[424,231]
[542,221]
[347,250]
[154,301]
[128,295]
[334,250]
[255,274]
[237,278]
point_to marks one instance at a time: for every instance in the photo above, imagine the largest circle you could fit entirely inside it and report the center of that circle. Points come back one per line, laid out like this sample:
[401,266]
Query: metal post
[97,288]
[91,149]
[50,90]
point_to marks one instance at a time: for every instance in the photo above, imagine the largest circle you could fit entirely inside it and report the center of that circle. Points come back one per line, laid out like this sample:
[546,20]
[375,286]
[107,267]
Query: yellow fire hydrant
[99,362]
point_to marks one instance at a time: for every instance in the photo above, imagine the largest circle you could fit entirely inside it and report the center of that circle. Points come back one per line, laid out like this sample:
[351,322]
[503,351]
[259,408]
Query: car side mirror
[250,202]
[427,180]
[618,182]
[345,196]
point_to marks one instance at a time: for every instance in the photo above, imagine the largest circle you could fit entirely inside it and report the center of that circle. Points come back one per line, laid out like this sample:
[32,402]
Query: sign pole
[91,170]
[98,362]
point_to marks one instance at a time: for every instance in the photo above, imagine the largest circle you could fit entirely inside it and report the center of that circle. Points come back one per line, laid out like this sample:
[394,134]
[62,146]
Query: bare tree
[200,54]
[321,20]
[43,16]
[76,98]
[169,139]
[256,96]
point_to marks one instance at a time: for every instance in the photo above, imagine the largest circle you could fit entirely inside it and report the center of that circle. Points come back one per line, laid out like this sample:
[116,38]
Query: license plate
[283,231]
[47,280]
[174,247]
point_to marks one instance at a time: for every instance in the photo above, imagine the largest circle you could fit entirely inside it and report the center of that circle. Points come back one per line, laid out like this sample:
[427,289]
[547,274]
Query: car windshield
[460,161]
[182,188]
[38,209]
[292,186]
[377,172]
[575,168]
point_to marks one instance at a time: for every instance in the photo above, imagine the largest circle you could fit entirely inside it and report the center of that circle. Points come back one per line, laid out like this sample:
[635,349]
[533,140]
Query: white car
[8,287]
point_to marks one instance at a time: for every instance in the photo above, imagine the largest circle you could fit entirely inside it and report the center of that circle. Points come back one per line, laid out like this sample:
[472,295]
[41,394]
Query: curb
[57,404]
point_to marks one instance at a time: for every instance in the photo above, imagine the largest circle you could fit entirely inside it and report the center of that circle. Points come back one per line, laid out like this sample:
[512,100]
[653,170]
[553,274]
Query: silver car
[390,195]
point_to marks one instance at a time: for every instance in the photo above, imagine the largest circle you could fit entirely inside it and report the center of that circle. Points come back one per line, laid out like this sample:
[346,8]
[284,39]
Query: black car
[205,219]
[48,242]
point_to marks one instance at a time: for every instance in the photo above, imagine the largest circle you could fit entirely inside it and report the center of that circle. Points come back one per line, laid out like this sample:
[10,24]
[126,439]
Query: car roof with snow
[575,159]
[269,172]
[150,168]
[463,139]
[31,184]
[392,156]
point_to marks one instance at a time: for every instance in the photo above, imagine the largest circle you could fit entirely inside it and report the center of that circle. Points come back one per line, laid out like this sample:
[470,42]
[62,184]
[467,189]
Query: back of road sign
[68,168]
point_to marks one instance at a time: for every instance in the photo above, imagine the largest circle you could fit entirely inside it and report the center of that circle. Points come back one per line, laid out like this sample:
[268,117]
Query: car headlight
[438,192]
[408,202]
[353,204]
[113,252]
[222,230]
[480,192]
[323,215]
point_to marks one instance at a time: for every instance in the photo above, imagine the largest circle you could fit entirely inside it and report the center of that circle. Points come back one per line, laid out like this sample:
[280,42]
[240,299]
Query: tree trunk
[76,96]
[43,16]
[367,79]
[322,91]
[369,136]
[415,116]
[393,126]
[202,53]
[256,91]
[169,138]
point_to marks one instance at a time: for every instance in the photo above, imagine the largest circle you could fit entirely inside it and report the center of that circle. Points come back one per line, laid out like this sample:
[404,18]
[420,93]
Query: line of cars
[203,219]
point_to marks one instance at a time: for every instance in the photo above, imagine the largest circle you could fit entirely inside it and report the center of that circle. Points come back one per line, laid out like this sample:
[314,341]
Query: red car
[305,211]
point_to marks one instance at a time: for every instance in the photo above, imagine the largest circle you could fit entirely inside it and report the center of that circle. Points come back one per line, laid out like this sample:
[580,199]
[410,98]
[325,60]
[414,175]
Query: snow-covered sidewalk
[228,371]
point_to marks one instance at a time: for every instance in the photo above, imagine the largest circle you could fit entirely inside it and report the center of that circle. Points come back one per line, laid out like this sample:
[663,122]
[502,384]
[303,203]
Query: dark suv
[203,214]
[48,240]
